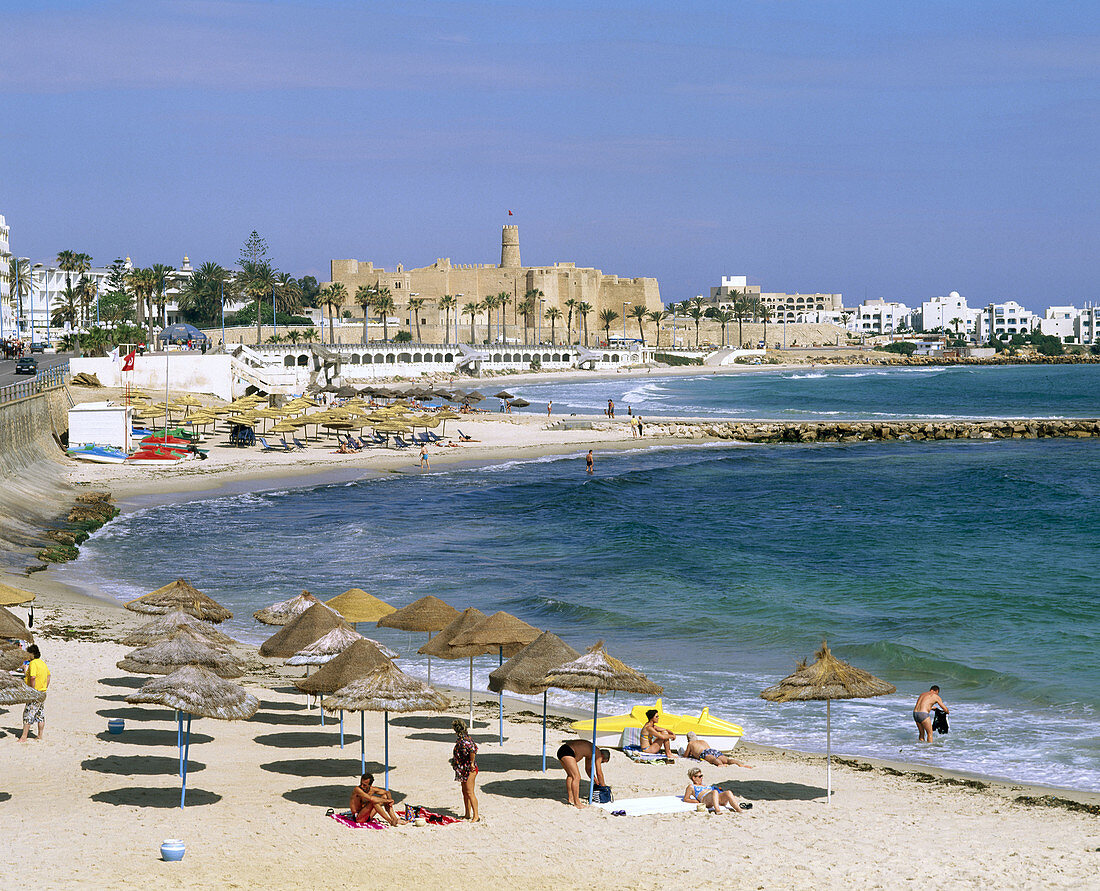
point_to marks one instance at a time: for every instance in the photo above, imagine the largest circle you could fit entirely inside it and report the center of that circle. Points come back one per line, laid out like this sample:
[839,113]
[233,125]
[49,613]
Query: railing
[50,379]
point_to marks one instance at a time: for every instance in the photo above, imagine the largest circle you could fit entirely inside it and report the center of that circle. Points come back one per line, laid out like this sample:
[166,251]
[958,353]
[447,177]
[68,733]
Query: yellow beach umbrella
[10,596]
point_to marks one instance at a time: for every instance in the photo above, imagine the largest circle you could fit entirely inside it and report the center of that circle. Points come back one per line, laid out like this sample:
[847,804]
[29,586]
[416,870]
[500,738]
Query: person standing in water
[922,712]
[588,461]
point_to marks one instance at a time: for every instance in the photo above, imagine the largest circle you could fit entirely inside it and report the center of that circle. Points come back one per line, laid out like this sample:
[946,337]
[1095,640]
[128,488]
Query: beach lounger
[433,437]
[299,444]
[462,436]
[286,445]
[270,448]
[400,443]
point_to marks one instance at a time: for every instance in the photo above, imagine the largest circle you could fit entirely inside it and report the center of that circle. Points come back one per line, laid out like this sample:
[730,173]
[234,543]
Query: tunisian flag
[128,362]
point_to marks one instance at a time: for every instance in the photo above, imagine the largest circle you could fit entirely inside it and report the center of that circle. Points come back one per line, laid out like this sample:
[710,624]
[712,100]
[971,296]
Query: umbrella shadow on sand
[532,787]
[768,790]
[138,714]
[323,767]
[300,739]
[502,762]
[124,681]
[4,796]
[152,797]
[300,720]
[427,722]
[147,737]
[328,796]
[269,705]
[482,739]
[138,765]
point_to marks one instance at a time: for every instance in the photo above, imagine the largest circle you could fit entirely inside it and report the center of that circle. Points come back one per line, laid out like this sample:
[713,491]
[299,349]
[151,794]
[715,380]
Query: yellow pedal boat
[720,734]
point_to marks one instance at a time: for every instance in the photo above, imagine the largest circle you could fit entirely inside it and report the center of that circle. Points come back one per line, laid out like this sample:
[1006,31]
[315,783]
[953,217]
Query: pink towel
[349,821]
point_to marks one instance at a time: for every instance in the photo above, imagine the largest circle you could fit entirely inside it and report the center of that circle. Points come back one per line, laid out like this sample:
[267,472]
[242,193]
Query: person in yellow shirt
[37,676]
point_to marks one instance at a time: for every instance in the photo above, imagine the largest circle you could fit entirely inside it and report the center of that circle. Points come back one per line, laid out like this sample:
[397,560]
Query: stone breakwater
[877,431]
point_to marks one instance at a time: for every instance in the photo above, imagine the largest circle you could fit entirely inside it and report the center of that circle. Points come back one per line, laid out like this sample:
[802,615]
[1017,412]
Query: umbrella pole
[186,755]
[828,751]
[471,692]
[544,731]
[387,738]
[362,743]
[592,776]
[429,662]
[179,738]
[341,728]
[501,701]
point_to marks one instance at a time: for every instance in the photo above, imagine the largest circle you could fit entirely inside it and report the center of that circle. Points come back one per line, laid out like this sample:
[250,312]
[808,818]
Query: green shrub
[901,347]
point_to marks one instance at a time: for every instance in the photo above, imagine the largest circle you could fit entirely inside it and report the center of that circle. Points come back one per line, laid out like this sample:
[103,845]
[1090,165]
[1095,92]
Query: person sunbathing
[711,796]
[367,801]
[654,738]
[701,750]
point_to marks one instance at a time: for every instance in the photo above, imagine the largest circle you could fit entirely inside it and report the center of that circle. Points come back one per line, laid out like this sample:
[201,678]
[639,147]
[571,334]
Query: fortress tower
[509,246]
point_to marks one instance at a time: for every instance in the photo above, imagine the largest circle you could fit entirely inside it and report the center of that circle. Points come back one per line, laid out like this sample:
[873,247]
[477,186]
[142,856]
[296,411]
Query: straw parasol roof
[362,657]
[198,691]
[11,656]
[13,691]
[299,633]
[164,627]
[356,605]
[165,656]
[426,614]
[180,594]
[520,402]
[10,596]
[386,689]
[285,610]
[12,626]
[525,671]
[596,670]
[827,678]
[503,394]
[443,646]
[327,648]
[501,630]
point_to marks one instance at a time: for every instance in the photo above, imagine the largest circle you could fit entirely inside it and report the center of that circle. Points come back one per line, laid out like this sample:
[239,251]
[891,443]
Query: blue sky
[877,149]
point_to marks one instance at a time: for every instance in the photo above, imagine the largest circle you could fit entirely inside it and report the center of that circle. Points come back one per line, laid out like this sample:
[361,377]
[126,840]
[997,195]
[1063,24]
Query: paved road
[45,360]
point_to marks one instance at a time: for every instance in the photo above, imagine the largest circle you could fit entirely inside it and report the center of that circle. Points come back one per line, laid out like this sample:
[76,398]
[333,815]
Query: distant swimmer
[922,712]
[588,461]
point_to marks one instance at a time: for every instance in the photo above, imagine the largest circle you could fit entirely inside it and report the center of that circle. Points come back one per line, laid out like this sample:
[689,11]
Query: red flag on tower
[128,362]
[509,213]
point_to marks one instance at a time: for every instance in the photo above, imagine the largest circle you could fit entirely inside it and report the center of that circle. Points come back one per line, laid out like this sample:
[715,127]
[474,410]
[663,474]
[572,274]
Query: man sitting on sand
[701,750]
[569,754]
[367,801]
[655,738]
[922,712]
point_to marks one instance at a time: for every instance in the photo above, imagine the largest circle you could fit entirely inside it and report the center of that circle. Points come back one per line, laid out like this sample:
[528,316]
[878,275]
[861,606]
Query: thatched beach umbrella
[299,633]
[192,690]
[10,596]
[505,632]
[327,648]
[183,648]
[525,671]
[443,646]
[386,689]
[285,610]
[428,614]
[356,606]
[165,627]
[520,402]
[595,671]
[180,594]
[12,656]
[827,678]
[15,692]
[12,626]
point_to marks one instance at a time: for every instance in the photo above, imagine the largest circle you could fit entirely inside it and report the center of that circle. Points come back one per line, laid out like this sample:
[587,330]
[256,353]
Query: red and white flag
[128,362]
[509,213]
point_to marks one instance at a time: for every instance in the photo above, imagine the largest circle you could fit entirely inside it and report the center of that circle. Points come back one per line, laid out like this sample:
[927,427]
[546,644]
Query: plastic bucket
[172,849]
[116,726]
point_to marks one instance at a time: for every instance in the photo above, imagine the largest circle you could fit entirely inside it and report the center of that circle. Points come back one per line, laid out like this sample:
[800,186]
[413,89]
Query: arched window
[289,361]
[379,358]
[303,361]
[390,359]
[404,357]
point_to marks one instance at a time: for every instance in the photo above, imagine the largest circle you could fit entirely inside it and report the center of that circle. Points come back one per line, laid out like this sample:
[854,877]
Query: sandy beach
[259,789]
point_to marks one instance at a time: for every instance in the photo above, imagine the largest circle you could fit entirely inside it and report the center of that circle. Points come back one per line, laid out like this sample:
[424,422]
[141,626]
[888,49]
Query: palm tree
[327,300]
[534,295]
[740,312]
[641,314]
[503,299]
[446,303]
[695,311]
[765,315]
[570,305]
[88,289]
[383,306]
[583,309]
[82,263]
[310,334]
[294,335]
[657,316]
[471,310]
[956,322]
[201,297]
[142,284]
[257,279]
[66,312]
[162,274]
[608,318]
[723,317]
[416,304]
[19,276]
[288,293]
[526,309]
[364,296]
[491,302]
[553,314]
[337,296]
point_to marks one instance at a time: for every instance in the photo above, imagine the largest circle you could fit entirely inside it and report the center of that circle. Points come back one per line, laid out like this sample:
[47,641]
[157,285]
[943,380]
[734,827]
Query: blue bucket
[172,849]
[116,726]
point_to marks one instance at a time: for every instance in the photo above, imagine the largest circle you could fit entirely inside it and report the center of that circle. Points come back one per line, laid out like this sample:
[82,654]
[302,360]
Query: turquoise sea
[713,568]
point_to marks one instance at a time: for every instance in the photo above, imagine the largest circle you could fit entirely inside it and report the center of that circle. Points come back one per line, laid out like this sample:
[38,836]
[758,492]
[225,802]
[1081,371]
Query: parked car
[39,347]
[26,365]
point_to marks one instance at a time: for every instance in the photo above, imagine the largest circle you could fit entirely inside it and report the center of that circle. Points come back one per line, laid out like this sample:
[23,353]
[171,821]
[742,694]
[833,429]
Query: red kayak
[160,440]
[157,453]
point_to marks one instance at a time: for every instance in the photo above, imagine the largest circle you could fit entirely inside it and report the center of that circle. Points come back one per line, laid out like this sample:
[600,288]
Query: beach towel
[637,807]
[635,753]
[349,821]
[432,818]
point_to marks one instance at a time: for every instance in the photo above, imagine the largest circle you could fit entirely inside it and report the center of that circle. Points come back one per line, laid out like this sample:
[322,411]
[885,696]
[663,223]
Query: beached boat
[98,454]
[720,734]
[159,453]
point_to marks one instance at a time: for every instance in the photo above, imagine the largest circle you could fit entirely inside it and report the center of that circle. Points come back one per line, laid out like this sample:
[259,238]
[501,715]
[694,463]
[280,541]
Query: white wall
[187,371]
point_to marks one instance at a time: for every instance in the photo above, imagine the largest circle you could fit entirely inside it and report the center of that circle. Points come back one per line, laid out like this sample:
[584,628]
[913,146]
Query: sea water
[712,570]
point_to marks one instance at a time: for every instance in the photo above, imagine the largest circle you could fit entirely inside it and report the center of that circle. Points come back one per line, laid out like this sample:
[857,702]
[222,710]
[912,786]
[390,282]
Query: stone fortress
[470,283]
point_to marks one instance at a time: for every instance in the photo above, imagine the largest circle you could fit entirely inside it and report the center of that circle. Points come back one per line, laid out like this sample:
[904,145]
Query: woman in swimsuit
[655,738]
[569,754]
[711,796]
[465,765]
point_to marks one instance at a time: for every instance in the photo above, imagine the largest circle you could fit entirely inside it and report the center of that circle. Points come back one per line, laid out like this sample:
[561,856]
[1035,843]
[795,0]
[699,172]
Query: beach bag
[939,721]
[603,794]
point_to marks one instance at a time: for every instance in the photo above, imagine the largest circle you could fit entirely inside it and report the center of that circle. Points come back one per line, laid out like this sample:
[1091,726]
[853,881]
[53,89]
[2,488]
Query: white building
[1060,322]
[782,307]
[880,316]
[948,313]
[1002,320]
[1087,326]
[7,316]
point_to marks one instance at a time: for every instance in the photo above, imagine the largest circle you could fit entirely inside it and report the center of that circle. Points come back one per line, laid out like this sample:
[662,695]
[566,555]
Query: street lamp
[458,307]
[541,302]
[626,303]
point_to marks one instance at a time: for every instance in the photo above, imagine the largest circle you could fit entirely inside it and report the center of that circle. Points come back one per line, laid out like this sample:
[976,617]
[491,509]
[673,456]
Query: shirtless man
[922,712]
[569,754]
[655,738]
[699,748]
[366,801]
